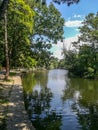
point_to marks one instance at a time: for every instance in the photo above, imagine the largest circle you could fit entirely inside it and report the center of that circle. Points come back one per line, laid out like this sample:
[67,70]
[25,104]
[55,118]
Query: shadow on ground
[17,118]
[12,111]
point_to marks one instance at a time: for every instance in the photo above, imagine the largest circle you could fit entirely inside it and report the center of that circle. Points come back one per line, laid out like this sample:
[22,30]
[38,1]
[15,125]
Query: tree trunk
[6,45]
[3,7]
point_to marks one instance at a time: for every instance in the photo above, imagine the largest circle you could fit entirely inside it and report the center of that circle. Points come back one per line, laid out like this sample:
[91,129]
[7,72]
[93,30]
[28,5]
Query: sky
[73,15]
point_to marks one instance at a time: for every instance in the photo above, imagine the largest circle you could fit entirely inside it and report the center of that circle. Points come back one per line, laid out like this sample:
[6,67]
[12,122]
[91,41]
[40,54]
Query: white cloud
[58,54]
[57,50]
[73,23]
[68,42]
[78,16]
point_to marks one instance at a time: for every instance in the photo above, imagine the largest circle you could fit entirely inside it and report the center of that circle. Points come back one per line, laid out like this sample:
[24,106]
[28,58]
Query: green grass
[12,74]
[7,80]
[2,100]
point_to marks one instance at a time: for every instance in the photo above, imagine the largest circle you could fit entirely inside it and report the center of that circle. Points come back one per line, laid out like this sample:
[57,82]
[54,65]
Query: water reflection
[88,105]
[55,102]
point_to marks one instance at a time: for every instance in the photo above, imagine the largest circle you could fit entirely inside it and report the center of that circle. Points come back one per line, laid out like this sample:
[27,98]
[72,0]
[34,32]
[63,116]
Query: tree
[4,3]
[48,23]
[5,37]
[20,29]
[89,30]
[41,53]
[86,60]
[6,45]
[54,63]
[89,35]
[71,61]
[48,28]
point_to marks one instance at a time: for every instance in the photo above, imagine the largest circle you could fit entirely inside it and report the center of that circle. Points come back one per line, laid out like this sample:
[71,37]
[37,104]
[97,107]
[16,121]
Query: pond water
[56,102]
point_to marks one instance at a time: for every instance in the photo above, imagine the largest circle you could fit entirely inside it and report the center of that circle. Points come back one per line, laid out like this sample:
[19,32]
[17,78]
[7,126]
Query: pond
[56,102]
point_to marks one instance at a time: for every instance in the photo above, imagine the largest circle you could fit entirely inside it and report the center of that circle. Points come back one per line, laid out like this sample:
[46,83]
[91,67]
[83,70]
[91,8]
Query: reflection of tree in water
[28,82]
[89,118]
[38,102]
[39,110]
[41,100]
[86,105]
[41,77]
[80,98]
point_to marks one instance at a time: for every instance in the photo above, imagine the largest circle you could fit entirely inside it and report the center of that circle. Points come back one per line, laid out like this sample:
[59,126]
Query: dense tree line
[83,61]
[27,31]
[4,3]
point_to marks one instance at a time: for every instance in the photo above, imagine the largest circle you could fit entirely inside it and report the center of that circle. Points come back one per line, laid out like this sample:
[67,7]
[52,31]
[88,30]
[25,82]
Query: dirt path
[5,88]
[17,118]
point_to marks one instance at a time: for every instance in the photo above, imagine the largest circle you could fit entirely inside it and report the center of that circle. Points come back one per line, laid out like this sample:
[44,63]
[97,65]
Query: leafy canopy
[48,22]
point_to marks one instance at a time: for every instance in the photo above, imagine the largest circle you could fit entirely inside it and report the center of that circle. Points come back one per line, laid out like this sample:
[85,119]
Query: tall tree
[20,28]
[86,60]
[89,30]
[48,26]
[41,53]
[48,22]
[89,35]
[4,3]
[4,7]
[6,45]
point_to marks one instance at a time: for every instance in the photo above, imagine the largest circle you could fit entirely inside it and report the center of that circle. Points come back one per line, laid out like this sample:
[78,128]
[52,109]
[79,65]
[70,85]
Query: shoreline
[13,111]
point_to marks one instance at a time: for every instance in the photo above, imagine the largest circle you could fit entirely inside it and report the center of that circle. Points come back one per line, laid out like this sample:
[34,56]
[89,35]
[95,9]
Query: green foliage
[54,63]
[27,62]
[40,52]
[85,62]
[61,64]
[48,23]
[20,24]
[23,25]
[48,26]
[89,30]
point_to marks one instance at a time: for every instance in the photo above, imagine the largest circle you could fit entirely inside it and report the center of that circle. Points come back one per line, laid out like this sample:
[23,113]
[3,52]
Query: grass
[7,80]
[12,74]
[3,100]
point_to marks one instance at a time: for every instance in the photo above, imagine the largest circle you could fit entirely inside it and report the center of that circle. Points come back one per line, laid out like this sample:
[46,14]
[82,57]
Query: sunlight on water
[55,102]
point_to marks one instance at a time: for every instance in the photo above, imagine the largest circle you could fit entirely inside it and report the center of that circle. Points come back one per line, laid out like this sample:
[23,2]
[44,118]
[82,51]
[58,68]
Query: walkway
[17,118]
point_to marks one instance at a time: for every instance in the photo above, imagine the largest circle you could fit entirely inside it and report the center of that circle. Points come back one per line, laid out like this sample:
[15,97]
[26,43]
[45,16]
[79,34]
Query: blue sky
[73,16]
